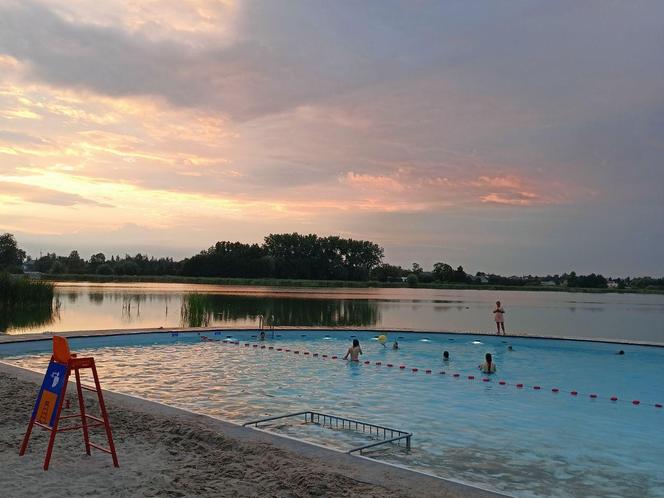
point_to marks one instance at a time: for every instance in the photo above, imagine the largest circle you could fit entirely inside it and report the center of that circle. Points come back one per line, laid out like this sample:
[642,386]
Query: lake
[87,306]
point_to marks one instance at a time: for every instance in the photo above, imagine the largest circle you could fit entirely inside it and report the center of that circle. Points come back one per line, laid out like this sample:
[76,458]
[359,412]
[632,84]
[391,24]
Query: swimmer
[498,317]
[261,336]
[509,348]
[354,351]
[395,345]
[446,356]
[488,367]
[620,352]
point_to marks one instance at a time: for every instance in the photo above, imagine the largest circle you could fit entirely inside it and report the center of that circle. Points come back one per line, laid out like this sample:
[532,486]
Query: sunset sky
[509,137]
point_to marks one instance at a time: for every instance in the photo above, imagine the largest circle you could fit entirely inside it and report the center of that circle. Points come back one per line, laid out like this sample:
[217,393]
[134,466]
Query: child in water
[354,351]
[498,317]
[488,367]
[395,345]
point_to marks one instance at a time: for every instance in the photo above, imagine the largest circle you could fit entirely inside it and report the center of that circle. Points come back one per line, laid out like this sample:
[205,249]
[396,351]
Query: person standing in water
[498,313]
[354,351]
[488,367]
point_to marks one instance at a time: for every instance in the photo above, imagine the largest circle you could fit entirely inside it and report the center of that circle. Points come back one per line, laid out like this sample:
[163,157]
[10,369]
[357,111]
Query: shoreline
[165,450]
[341,284]
[41,336]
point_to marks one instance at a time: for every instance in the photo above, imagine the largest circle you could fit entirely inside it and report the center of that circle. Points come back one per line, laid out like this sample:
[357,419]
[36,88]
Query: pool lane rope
[554,390]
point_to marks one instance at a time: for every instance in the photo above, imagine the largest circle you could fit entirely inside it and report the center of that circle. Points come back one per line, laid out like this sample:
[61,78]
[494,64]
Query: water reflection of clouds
[111,306]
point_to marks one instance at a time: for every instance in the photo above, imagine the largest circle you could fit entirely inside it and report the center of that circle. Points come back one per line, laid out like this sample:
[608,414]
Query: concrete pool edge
[9,338]
[359,468]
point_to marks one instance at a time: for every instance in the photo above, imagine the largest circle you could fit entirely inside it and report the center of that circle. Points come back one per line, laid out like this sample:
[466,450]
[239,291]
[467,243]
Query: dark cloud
[244,80]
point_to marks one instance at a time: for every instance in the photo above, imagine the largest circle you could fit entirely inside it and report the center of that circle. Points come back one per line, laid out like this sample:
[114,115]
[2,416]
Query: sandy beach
[168,452]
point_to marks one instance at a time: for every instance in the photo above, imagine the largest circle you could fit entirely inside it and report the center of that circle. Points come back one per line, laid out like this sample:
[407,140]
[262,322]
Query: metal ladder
[311,417]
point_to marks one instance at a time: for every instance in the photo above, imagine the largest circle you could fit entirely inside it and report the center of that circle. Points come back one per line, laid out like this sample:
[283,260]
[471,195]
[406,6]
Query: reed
[20,292]
[195,311]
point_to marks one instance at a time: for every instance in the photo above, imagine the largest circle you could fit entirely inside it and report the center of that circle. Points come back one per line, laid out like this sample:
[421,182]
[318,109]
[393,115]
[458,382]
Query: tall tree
[75,264]
[11,256]
[443,272]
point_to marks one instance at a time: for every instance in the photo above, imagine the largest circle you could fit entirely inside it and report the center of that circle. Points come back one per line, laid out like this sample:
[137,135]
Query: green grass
[268,282]
[276,282]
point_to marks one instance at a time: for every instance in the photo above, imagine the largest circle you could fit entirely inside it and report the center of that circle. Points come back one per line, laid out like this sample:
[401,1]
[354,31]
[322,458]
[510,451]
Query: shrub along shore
[277,282]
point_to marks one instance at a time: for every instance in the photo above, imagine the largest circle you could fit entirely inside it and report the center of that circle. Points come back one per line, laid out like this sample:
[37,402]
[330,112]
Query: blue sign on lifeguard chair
[50,394]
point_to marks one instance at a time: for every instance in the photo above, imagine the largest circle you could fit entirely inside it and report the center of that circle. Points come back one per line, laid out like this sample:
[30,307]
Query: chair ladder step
[80,426]
[100,448]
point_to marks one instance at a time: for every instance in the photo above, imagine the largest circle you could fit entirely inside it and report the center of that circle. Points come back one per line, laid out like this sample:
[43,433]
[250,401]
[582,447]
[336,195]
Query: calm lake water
[83,306]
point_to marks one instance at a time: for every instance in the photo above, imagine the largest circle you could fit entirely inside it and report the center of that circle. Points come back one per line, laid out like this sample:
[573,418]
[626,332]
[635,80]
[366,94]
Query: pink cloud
[376,183]
[511,199]
[507,182]
[424,191]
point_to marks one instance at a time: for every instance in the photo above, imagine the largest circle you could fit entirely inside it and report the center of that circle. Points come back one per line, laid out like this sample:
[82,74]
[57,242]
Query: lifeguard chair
[52,395]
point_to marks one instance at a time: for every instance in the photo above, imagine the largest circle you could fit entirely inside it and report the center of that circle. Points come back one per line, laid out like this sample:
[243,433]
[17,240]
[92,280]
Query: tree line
[288,256]
[293,256]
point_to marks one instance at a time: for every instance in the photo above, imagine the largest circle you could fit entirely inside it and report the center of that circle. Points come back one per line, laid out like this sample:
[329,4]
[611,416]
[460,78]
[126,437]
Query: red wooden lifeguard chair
[48,407]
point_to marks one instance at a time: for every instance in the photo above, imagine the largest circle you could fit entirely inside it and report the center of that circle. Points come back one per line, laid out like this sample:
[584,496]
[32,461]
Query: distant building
[548,283]
[612,285]
[28,266]
[481,278]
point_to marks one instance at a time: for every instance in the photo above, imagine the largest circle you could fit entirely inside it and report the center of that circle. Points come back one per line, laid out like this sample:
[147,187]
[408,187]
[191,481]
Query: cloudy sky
[511,137]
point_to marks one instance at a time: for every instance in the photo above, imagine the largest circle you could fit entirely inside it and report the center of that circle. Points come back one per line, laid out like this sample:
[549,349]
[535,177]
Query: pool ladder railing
[389,434]
[262,322]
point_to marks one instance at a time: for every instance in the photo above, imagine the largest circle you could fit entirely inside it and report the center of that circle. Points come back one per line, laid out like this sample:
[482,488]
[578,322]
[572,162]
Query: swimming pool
[519,440]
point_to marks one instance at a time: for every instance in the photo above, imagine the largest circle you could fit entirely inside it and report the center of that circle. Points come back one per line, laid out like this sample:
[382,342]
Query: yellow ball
[382,339]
